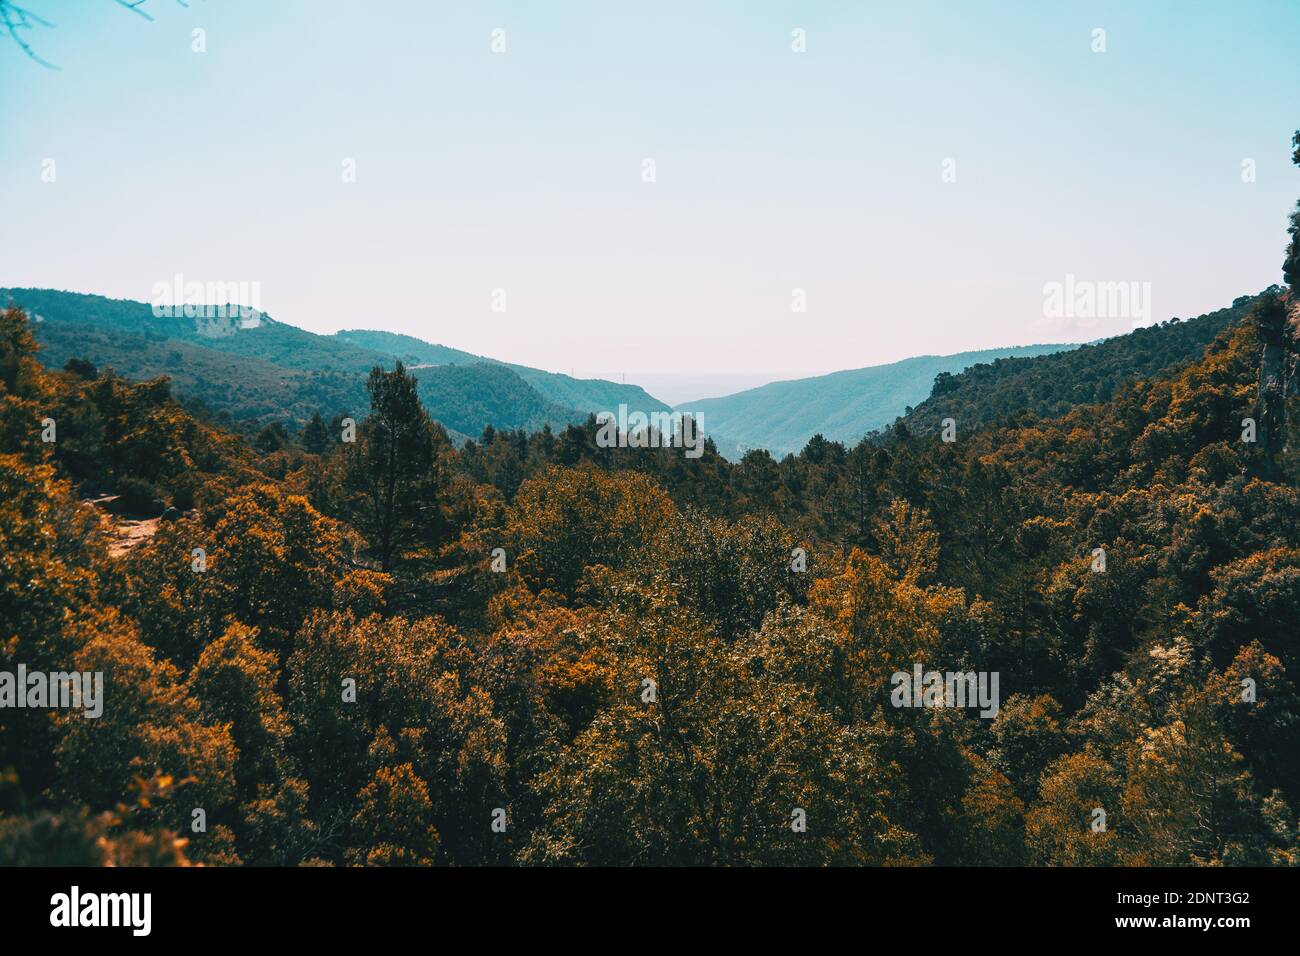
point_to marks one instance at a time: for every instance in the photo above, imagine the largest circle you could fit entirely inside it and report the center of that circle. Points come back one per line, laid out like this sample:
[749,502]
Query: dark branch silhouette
[15,19]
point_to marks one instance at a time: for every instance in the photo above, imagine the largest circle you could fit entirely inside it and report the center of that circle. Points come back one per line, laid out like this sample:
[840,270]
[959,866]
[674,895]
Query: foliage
[536,650]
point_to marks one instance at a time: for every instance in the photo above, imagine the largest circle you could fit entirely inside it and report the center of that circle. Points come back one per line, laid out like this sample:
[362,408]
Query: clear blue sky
[775,170]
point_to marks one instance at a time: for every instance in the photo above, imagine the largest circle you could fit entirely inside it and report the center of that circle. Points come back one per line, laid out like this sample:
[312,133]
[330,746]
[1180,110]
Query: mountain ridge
[1049,385]
[269,371]
[272,371]
[840,406]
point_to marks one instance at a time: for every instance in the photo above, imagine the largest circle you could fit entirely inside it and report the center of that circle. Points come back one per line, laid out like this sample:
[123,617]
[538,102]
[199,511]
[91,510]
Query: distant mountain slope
[841,406]
[238,388]
[468,397]
[284,345]
[1050,385]
[408,348]
[586,395]
[273,371]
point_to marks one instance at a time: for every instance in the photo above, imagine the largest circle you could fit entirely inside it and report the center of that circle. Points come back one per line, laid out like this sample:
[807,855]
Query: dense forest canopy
[360,644]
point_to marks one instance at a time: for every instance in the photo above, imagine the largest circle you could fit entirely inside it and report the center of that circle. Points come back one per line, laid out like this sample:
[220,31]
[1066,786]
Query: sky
[667,193]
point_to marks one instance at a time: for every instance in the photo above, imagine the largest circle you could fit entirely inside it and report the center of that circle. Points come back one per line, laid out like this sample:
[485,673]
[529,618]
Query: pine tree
[313,435]
[390,468]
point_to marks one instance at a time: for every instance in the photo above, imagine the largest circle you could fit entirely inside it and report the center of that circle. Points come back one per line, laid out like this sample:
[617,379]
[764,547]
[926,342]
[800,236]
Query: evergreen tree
[390,468]
[314,437]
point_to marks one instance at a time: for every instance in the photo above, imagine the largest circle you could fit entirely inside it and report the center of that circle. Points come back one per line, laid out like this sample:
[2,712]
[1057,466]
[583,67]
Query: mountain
[253,372]
[588,396]
[262,338]
[1050,385]
[412,351]
[254,376]
[841,406]
[249,373]
[468,397]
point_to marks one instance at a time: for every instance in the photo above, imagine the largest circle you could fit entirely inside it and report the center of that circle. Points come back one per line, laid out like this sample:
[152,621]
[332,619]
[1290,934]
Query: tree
[727,763]
[234,683]
[1028,737]
[392,824]
[571,519]
[1064,828]
[313,435]
[271,439]
[389,472]
[1291,266]
[413,701]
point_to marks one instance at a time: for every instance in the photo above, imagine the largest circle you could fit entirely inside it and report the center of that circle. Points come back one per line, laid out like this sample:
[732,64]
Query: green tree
[390,469]
[314,437]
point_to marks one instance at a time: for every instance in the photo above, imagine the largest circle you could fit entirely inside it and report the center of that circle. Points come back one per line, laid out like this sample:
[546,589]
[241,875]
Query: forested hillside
[282,345]
[1052,384]
[273,375]
[347,680]
[407,348]
[472,397]
[842,406]
[584,395]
